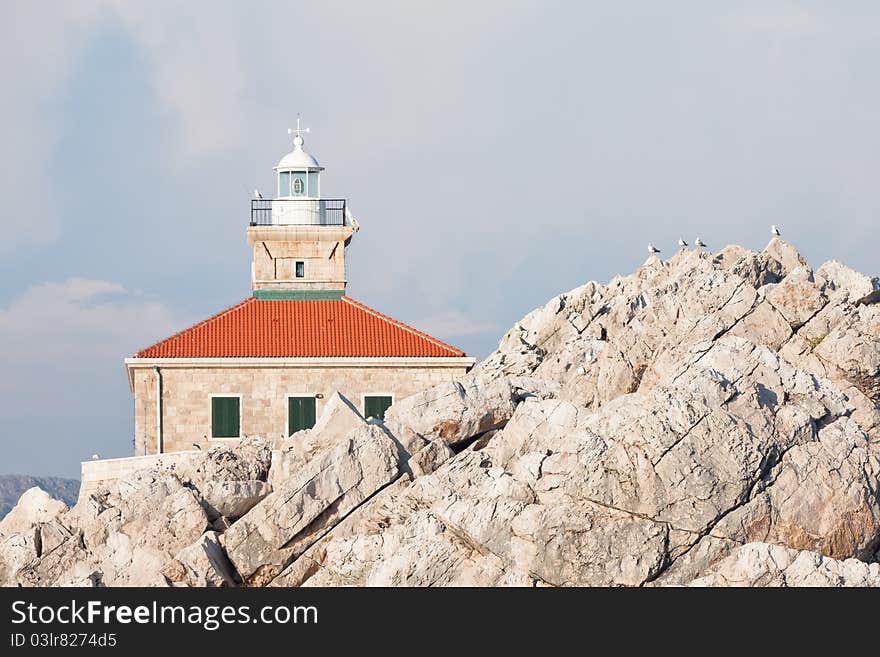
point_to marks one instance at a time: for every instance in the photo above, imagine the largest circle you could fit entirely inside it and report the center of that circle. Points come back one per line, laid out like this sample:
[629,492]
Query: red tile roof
[258,328]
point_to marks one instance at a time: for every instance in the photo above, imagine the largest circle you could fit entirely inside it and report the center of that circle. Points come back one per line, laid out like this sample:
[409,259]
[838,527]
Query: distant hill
[12,486]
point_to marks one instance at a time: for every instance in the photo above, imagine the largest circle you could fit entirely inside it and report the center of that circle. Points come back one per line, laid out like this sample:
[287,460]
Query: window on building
[300,414]
[225,417]
[376,405]
[300,269]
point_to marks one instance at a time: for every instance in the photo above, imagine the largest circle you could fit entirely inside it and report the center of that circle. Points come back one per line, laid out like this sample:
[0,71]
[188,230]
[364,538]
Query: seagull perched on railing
[699,243]
[652,249]
[775,230]
[257,194]
[682,243]
[95,457]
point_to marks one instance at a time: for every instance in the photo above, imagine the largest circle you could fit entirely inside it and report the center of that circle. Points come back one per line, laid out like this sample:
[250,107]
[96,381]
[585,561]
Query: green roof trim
[299,295]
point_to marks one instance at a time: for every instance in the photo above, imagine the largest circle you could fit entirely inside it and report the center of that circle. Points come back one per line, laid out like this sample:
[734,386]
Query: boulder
[455,411]
[763,564]
[429,458]
[203,563]
[337,420]
[232,499]
[34,506]
[285,523]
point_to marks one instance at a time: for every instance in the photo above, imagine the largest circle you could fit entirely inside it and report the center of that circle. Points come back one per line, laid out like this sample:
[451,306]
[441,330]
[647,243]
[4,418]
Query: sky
[494,153]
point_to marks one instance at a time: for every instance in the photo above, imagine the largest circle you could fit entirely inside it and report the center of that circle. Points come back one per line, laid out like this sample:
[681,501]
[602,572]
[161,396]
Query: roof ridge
[405,327]
[195,326]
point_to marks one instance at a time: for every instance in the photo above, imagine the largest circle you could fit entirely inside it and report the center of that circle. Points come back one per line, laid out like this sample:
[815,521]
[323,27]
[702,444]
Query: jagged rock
[762,564]
[232,499]
[34,506]
[125,539]
[203,563]
[337,420]
[455,411]
[798,297]
[858,288]
[632,488]
[711,419]
[247,460]
[286,522]
[52,534]
[854,349]
[17,551]
[429,458]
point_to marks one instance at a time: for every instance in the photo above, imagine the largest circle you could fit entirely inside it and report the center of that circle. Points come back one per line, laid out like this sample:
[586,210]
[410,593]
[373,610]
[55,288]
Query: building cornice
[132,364]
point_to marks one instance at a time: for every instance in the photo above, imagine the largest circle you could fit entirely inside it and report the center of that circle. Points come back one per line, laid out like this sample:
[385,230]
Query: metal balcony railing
[298,212]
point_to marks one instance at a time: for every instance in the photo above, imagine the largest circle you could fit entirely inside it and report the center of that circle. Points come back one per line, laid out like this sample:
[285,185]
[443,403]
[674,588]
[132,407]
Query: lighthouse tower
[299,237]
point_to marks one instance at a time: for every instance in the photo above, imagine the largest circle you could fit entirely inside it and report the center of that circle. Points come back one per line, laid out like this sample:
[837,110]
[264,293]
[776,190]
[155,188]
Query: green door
[376,406]
[300,414]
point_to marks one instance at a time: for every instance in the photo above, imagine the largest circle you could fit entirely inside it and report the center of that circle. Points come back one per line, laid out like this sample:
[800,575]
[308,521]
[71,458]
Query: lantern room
[299,174]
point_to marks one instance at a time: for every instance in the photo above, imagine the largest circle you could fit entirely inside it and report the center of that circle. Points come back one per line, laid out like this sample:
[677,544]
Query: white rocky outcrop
[763,564]
[710,420]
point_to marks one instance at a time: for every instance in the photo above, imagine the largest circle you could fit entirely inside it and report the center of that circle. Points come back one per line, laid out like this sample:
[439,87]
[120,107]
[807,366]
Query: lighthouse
[267,365]
[299,238]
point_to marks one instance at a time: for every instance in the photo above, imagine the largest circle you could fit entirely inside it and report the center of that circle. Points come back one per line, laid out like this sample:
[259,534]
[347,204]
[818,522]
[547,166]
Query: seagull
[257,194]
[197,446]
[95,457]
[652,249]
[682,243]
[775,230]
[699,243]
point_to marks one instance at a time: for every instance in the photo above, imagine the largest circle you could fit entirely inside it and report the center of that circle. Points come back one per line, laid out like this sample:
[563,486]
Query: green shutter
[300,414]
[225,417]
[376,407]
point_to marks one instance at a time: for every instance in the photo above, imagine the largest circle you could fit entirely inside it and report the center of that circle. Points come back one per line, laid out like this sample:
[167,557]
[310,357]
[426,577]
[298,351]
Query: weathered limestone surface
[763,564]
[34,506]
[203,563]
[337,420]
[278,529]
[710,420]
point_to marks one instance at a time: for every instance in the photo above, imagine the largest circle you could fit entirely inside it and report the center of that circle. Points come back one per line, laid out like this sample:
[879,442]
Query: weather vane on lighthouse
[298,130]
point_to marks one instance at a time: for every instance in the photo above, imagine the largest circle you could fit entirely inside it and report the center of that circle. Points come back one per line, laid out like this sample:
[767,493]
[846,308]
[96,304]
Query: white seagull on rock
[682,243]
[652,249]
[775,230]
[699,243]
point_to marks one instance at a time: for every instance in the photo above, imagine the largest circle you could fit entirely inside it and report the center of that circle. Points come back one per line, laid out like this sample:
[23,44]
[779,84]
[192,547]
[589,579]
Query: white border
[442,362]
[287,410]
[211,416]
[364,395]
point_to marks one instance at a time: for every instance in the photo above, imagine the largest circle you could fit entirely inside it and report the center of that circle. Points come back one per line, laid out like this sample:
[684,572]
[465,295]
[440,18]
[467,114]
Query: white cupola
[299,174]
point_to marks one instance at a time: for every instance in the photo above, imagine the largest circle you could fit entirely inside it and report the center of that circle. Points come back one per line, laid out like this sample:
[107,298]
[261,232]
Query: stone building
[266,365]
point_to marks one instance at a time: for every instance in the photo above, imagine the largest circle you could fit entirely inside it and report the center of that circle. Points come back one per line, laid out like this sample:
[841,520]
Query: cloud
[453,324]
[198,73]
[79,319]
[37,55]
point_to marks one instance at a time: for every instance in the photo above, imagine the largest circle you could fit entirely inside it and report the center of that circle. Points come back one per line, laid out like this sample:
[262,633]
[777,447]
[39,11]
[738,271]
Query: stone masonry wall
[186,408]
